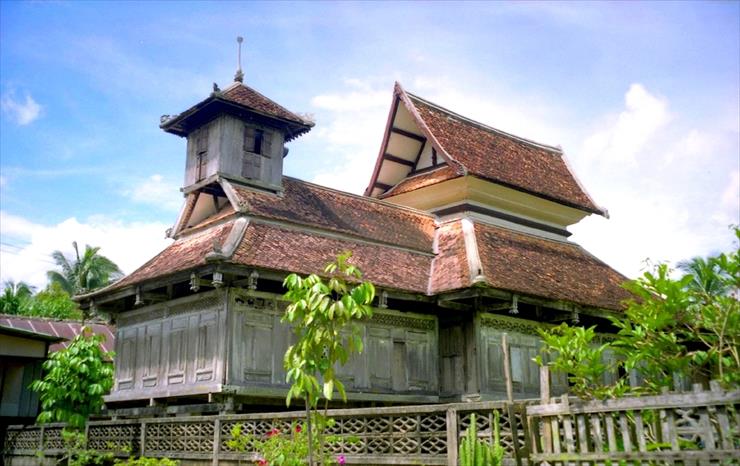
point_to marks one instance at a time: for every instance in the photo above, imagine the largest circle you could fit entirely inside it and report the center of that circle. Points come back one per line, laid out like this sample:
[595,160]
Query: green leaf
[328,389]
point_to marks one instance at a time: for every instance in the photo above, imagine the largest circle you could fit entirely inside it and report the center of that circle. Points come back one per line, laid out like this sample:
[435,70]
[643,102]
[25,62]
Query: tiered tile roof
[304,226]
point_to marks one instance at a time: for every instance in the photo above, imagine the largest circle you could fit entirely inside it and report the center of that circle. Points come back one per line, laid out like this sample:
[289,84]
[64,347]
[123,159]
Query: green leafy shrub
[576,354]
[146,461]
[323,315]
[75,380]
[278,448]
[688,326]
[76,452]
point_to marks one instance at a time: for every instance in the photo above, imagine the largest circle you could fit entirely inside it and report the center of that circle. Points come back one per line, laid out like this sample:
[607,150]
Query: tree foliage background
[76,275]
[675,327]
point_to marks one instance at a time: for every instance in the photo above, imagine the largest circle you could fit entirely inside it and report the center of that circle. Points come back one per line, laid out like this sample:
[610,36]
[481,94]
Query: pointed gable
[453,146]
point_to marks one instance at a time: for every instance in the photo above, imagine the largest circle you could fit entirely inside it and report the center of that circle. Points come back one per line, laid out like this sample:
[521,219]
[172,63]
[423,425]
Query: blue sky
[643,97]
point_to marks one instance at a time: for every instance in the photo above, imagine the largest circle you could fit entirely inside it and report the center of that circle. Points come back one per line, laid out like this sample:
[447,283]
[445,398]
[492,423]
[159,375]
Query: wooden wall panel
[170,346]
[400,348]
[524,345]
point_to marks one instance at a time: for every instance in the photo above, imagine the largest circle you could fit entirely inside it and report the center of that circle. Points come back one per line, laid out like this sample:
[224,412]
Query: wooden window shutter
[252,166]
[249,138]
[201,142]
[267,144]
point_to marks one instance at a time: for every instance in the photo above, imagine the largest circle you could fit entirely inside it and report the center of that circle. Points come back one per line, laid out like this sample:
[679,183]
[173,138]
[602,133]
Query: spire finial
[239,76]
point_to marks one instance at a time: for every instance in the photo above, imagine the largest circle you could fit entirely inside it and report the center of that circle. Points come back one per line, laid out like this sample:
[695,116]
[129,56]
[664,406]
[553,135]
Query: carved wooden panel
[379,349]
[206,344]
[177,349]
[420,359]
[257,347]
[126,358]
[151,355]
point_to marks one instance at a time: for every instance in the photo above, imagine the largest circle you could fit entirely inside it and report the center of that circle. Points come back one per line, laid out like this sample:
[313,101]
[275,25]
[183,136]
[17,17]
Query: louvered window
[257,141]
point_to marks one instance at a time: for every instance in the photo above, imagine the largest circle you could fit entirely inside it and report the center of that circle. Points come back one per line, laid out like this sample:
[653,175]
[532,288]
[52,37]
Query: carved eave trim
[448,299]
[524,326]
[276,303]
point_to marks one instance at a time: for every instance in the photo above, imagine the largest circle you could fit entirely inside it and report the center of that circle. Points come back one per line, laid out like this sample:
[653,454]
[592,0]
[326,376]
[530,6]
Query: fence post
[544,399]
[41,440]
[142,439]
[452,437]
[216,440]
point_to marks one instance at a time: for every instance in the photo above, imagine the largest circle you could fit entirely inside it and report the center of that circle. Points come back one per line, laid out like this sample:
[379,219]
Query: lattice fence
[702,427]
[410,435]
[676,429]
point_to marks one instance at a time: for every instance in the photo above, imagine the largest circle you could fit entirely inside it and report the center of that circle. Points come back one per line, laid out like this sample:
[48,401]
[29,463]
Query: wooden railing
[407,435]
[699,427]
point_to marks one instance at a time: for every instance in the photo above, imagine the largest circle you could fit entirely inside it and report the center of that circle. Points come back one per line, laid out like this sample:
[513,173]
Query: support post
[452,437]
[507,369]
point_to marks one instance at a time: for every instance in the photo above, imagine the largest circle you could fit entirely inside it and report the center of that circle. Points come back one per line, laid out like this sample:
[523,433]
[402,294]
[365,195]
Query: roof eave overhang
[484,289]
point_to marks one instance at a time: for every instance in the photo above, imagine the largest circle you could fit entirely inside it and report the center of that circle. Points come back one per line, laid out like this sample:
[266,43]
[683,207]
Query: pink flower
[273,433]
[341,460]
[262,462]
[298,429]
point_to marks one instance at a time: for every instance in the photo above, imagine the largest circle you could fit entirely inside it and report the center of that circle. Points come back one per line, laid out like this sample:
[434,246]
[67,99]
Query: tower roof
[240,100]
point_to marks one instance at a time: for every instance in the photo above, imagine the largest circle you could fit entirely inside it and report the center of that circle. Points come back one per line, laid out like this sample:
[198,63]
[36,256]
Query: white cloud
[663,186]
[731,194]
[351,101]
[523,115]
[155,191]
[640,227]
[21,111]
[627,135]
[356,119]
[27,246]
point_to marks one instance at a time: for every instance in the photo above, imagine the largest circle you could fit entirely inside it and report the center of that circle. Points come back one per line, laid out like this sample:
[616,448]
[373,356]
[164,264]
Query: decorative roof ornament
[239,76]
[514,310]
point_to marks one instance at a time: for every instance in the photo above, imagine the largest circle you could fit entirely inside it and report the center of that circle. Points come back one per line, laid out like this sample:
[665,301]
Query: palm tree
[706,275]
[14,296]
[83,274]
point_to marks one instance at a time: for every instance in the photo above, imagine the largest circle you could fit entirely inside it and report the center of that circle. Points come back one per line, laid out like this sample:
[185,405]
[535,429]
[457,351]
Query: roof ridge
[366,198]
[343,236]
[483,126]
[238,84]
